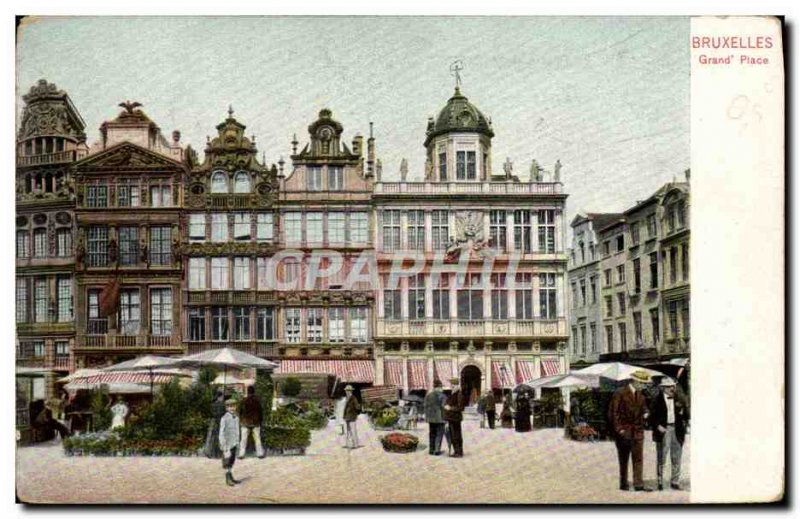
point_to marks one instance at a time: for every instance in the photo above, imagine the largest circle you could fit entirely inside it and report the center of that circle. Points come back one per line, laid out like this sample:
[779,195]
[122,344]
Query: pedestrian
[252,415]
[339,414]
[434,408]
[481,409]
[523,417]
[453,413]
[211,448]
[45,422]
[627,413]
[229,432]
[670,413]
[490,408]
[352,408]
[119,411]
[507,413]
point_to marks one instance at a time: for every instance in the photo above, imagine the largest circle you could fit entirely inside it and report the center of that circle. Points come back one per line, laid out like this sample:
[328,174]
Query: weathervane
[456,67]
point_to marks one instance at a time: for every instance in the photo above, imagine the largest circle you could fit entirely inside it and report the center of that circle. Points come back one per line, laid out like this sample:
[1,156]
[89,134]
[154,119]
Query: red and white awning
[443,371]
[142,377]
[550,367]
[525,370]
[418,374]
[357,371]
[393,372]
[501,378]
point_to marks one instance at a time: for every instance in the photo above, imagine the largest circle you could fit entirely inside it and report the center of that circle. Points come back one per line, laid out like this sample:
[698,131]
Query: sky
[607,96]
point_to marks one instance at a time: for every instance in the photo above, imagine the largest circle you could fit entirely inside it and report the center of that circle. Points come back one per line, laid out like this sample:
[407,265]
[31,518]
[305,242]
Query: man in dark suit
[670,413]
[453,409]
[626,415]
[491,408]
[434,402]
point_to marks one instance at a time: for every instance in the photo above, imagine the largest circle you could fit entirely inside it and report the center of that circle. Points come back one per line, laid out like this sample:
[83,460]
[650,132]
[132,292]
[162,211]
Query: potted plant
[399,442]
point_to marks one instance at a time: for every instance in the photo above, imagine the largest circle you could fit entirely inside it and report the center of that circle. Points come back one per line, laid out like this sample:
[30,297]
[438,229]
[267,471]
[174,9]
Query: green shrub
[286,437]
[312,415]
[100,404]
[291,387]
[264,391]
[387,418]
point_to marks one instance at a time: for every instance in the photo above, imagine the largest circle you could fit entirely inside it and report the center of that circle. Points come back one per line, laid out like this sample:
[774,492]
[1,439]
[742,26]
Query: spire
[230,111]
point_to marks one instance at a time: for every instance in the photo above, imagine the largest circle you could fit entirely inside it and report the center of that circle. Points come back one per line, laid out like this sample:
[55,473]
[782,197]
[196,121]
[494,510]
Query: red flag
[109,298]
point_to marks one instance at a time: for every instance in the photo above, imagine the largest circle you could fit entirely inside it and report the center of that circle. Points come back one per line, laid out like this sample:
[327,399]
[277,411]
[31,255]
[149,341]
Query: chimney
[358,145]
[370,153]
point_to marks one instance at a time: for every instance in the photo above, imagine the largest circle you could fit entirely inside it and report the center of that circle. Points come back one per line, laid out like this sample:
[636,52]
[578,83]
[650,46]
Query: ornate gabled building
[50,138]
[128,263]
[326,234]
[230,233]
[453,317]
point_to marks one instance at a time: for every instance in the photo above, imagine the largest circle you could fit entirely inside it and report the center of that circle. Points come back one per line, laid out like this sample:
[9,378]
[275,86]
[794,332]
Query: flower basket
[399,442]
[584,433]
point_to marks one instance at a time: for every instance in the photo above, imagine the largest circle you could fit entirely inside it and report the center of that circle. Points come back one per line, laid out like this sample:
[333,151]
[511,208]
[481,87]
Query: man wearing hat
[670,412]
[352,408]
[453,408]
[434,407]
[229,440]
[626,415]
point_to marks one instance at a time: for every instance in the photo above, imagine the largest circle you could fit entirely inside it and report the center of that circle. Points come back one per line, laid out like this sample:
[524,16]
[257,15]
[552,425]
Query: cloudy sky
[609,97]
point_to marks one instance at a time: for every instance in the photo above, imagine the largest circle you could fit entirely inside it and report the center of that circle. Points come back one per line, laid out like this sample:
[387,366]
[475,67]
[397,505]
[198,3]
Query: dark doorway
[471,384]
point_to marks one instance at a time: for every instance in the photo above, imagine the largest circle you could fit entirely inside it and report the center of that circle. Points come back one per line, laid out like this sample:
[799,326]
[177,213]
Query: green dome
[458,115]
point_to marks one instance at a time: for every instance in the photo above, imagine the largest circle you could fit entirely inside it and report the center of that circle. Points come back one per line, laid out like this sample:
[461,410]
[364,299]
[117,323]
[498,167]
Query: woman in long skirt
[523,421]
[211,448]
[507,415]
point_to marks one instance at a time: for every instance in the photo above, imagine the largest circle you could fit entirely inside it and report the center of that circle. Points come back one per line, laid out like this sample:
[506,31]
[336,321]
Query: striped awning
[501,378]
[418,374]
[525,370]
[142,377]
[550,367]
[358,371]
[393,372]
[443,371]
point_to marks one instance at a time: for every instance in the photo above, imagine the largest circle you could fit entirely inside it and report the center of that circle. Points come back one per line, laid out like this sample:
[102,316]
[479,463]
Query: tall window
[497,230]
[441,298]
[681,214]
[197,324]
[129,311]
[219,182]
[219,324]
[336,233]
[471,168]
[524,295]
[265,324]
[592,290]
[292,325]
[241,273]
[359,229]
[653,270]
[583,291]
[23,244]
[127,195]
[335,178]
[336,324]
[313,228]
[96,196]
[470,298]
[314,178]
[161,245]
[620,239]
[637,329]
[359,331]
[39,243]
[416,297]
[291,270]
[547,296]
[607,275]
[391,230]
[197,273]
[220,274]
[97,246]
[391,303]
[671,218]
[610,338]
[621,302]
[63,242]
[685,261]
[583,340]
[293,228]
[685,318]
[499,296]
[609,306]
[440,230]
[673,264]
[241,324]
[241,226]
[161,311]
[262,277]
[64,301]
[264,227]
[574,288]
[465,165]
[593,337]
[314,325]
[623,337]
[197,227]
[547,231]
[620,273]
[635,233]
[128,245]
[161,196]
[522,231]
[219,227]
[654,326]
[672,312]
[637,275]
[21,305]
[416,230]
[651,226]
[241,182]
[95,325]
[443,165]
[62,349]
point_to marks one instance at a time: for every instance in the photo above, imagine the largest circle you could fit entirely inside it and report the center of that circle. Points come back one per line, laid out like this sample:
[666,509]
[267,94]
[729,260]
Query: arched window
[241,182]
[219,182]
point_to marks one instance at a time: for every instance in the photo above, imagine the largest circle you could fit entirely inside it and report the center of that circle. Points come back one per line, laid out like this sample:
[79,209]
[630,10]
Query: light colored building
[675,258]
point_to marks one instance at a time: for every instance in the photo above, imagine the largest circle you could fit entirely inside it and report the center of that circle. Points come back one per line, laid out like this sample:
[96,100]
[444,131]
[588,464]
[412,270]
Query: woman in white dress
[118,412]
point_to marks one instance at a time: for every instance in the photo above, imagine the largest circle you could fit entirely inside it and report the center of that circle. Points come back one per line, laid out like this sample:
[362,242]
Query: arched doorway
[471,384]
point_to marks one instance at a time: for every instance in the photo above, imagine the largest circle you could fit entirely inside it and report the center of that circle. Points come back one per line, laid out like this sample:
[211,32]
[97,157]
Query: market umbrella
[616,371]
[149,363]
[227,358]
[231,380]
[557,381]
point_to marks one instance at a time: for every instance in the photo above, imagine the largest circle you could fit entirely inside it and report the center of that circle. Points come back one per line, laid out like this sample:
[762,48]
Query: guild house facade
[321,262]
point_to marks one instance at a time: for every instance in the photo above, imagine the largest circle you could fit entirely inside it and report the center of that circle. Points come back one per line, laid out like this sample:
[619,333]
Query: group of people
[667,413]
[444,414]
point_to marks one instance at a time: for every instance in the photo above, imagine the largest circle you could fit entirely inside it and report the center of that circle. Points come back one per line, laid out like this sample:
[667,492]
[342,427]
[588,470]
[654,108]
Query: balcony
[127,342]
[58,157]
[498,329]
[467,188]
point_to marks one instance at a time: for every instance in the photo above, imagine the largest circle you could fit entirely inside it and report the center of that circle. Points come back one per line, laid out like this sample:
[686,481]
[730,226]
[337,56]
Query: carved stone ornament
[129,156]
[22,221]
[40,219]
[63,218]
[469,226]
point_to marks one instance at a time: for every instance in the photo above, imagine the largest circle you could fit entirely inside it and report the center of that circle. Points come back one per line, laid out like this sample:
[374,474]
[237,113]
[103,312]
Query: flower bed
[386,419]
[108,443]
[399,442]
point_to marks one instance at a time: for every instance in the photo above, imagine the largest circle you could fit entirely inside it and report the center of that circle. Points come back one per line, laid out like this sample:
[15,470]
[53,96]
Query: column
[404,353]
[429,351]
[509,230]
[380,379]
[428,231]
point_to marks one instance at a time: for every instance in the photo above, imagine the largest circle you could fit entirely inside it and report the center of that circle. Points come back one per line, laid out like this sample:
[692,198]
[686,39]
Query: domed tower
[459,143]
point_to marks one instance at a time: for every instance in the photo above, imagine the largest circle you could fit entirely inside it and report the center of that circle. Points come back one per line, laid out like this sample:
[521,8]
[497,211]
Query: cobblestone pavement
[499,466]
